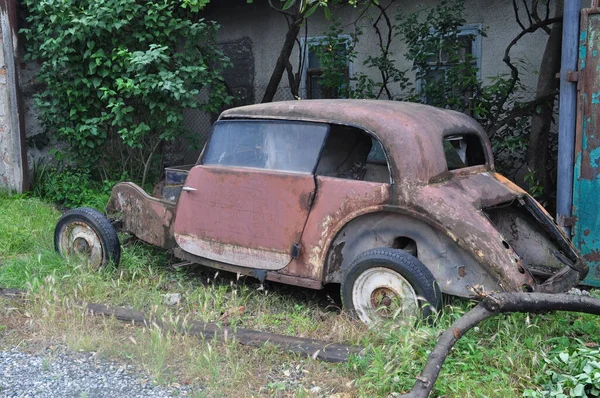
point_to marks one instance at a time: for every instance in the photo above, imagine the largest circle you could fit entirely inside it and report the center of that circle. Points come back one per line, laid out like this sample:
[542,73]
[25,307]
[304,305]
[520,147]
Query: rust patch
[589,171]
[147,218]
[336,259]
[337,201]
[462,271]
[454,206]
[592,256]
[586,232]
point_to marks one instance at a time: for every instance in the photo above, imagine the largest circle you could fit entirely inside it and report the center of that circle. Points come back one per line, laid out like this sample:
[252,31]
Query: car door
[248,200]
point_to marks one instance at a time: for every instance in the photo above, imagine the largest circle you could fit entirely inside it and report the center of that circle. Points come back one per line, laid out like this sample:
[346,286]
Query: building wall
[13,166]
[266,29]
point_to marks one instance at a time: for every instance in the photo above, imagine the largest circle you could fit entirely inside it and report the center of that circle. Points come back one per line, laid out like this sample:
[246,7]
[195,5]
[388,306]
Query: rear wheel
[87,234]
[388,284]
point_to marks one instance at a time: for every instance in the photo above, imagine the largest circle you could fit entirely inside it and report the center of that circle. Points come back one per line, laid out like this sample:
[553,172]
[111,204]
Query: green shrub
[118,74]
[71,186]
[570,372]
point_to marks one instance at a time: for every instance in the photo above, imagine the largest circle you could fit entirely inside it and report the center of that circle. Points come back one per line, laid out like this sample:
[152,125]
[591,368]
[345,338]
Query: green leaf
[578,391]
[288,4]
[311,10]
[92,67]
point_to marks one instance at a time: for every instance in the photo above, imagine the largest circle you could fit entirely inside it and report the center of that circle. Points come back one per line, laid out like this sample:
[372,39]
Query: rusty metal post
[13,163]
[567,114]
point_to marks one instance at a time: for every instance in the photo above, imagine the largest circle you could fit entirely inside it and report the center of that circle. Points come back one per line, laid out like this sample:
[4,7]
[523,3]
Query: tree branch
[517,18]
[279,10]
[518,111]
[385,48]
[528,12]
[525,31]
[536,16]
[514,72]
[493,305]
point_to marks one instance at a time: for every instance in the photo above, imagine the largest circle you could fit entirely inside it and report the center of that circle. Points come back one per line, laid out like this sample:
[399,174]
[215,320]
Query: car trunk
[533,235]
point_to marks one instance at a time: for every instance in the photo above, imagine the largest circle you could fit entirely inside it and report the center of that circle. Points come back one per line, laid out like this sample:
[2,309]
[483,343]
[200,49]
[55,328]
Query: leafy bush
[70,186]
[118,74]
[570,373]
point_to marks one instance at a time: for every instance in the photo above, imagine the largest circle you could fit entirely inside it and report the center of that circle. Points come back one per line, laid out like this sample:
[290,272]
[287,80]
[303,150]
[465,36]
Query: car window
[463,150]
[349,153]
[265,144]
[376,155]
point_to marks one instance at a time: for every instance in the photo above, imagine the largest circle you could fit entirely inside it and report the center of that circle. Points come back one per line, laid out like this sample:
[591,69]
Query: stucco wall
[267,30]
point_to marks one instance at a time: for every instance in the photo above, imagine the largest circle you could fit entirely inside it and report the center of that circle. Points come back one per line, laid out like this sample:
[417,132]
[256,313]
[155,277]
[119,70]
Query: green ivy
[117,75]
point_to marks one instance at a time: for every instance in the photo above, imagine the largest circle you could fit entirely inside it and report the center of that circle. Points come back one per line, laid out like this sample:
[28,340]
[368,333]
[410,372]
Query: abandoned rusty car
[396,202]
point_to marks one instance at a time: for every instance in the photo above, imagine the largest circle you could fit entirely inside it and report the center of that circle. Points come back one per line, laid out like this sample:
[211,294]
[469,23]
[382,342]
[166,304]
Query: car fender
[455,269]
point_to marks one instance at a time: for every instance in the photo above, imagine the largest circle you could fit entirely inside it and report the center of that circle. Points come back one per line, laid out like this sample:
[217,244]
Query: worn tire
[87,233]
[385,284]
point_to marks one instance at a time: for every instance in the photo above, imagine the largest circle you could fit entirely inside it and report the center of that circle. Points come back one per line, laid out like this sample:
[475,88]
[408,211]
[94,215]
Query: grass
[506,356]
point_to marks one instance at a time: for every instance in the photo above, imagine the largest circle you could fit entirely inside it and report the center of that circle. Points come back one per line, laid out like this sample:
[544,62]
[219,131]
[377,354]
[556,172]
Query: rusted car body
[311,199]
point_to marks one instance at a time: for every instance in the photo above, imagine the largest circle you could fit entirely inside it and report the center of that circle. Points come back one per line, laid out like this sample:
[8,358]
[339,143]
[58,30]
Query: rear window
[264,144]
[463,150]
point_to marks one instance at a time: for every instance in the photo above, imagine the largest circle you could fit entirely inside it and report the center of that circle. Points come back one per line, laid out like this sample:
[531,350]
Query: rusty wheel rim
[381,294]
[79,240]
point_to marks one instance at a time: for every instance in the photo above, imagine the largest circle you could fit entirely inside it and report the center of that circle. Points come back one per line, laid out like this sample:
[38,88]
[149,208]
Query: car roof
[410,133]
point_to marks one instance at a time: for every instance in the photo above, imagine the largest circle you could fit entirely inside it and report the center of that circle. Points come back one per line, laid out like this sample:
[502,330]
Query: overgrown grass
[505,357]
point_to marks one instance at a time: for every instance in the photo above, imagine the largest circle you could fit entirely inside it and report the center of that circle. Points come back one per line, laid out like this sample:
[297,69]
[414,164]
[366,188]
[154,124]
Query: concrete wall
[266,29]
[13,158]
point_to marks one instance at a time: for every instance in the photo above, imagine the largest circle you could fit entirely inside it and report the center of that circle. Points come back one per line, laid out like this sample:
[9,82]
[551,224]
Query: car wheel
[87,234]
[390,284]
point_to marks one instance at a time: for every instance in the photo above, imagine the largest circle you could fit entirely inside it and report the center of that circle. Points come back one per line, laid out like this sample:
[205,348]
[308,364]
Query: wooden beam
[317,349]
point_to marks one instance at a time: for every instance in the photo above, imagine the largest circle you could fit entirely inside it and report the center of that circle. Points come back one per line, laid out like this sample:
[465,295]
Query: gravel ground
[74,375]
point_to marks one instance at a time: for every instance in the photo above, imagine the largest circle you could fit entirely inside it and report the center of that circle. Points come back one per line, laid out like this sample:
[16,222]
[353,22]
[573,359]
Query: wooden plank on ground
[318,349]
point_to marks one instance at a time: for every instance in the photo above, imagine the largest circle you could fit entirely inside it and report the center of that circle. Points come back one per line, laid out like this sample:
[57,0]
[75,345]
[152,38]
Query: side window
[273,145]
[351,153]
[463,150]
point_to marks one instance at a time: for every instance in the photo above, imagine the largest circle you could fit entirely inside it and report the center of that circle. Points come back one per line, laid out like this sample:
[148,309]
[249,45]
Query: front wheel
[86,233]
[389,284]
